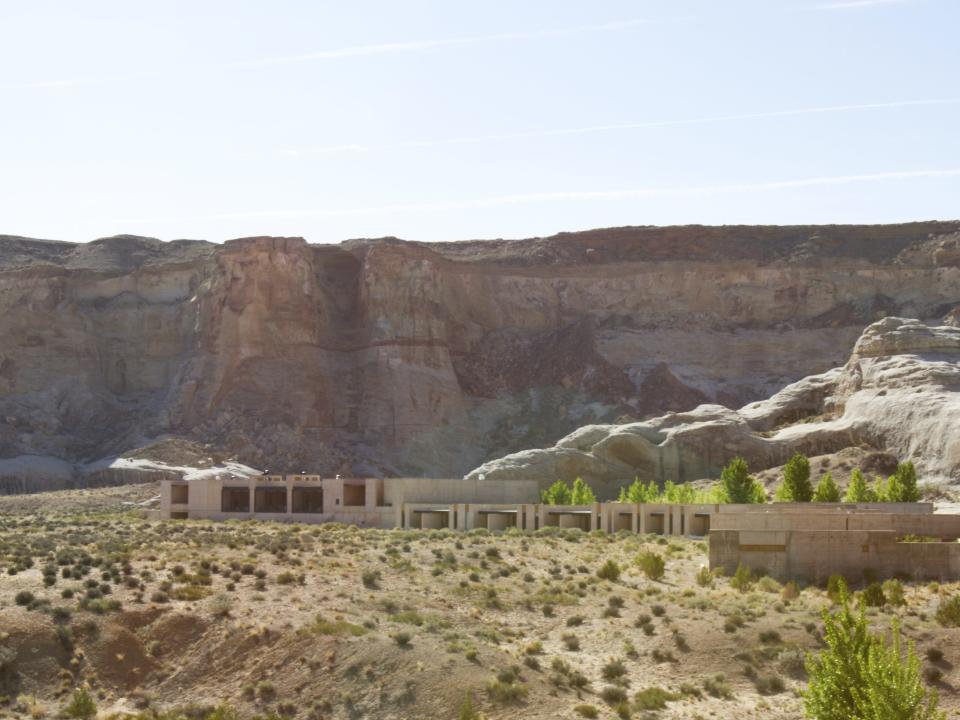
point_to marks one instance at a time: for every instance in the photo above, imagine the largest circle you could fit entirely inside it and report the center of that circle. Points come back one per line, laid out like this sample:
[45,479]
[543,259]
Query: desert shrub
[934,654]
[575,621]
[836,588]
[159,597]
[742,579]
[768,584]
[613,694]
[658,610]
[873,595]
[893,591]
[266,691]
[370,578]
[506,687]
[704,577]
[322,626]
[587,711]
[932,674]
[654,698]
[609,571]
[718,687]
[571,641]
[613,670]
[771,684]
[467,711]
[23,598]
[81,705]
[402,638]
[769,637]
[652,564]
[860,675]
[791,661]
[948,612]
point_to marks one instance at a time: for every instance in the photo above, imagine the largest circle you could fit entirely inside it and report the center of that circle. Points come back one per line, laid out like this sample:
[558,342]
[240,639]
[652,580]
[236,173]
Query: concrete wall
[814,544]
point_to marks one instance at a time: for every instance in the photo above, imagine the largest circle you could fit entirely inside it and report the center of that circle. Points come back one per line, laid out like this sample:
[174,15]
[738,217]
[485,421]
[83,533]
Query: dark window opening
[180,494]
[307,500]
[235,499]
[270,500]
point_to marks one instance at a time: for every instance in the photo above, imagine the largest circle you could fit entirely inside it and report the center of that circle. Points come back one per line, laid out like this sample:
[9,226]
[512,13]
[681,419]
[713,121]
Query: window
[270,500]
[180,494]
[235,499]
[307,500]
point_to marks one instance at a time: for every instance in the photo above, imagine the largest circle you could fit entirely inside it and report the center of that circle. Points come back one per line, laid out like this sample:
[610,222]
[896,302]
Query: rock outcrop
[898,392]
[389,357]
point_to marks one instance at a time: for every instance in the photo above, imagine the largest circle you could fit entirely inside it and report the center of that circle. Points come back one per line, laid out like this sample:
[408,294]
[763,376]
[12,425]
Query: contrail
[416,45]
[498,137]
[527,198]
[345,53]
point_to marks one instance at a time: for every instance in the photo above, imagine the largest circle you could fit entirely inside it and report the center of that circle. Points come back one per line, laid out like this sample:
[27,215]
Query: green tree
[860,675]
[857,490]
[738,486]
[581,493]
[827,490]
[556,494]
[796,485]
[637,492]
[902,485]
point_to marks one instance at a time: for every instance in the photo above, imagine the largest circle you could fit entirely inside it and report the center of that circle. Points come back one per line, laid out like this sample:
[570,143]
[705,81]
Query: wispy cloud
[565,196]
[853,4]
[419,45]
[555,132]
[343,53]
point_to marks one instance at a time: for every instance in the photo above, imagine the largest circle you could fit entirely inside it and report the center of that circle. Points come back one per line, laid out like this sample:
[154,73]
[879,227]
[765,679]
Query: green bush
[836,588]
[948,612]
[654,698]
[742,580]
[609,571]
[81,705]
[652,564]
[24,597]
[860,675]
[893,591]
[873,595]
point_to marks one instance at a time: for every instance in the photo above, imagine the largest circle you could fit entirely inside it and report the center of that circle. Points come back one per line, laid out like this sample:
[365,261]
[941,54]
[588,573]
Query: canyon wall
[393,357]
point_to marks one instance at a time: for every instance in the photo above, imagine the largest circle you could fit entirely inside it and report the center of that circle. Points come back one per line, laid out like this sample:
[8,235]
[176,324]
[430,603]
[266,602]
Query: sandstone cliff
[388,357]
[899,392]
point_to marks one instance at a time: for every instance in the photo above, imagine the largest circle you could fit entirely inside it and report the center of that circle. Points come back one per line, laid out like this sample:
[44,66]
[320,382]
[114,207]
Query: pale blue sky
[455,120]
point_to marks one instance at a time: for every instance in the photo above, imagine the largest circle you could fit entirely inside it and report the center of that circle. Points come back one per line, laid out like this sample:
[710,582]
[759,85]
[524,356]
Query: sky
[462,120]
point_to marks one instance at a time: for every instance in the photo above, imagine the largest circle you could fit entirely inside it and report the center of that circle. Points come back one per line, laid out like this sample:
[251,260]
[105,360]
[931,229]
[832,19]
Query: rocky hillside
[899,392]
[387,357]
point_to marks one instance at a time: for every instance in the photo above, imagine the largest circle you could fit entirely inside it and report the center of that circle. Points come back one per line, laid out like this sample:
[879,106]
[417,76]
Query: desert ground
[302,621]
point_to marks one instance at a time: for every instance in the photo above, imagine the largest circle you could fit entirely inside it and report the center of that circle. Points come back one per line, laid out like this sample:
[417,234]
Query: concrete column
[289,497]
[253,496]
[642,523]
[635,519]
[407,517]
[465,519]
[398,515]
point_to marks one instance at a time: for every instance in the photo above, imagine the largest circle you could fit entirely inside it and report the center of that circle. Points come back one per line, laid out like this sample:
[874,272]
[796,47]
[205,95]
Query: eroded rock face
[389,357]
[899,391]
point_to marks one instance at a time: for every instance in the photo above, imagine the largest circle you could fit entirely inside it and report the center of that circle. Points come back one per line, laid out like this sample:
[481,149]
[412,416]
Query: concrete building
[786,540]
[811,542]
